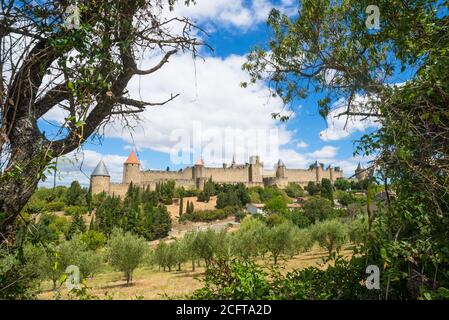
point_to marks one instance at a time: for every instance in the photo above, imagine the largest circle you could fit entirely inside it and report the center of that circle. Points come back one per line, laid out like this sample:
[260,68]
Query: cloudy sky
[214,117]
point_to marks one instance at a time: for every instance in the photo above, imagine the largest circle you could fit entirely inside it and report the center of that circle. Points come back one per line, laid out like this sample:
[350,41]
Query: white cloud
[237,13]
[302,145]
[325,152]
[211,100]
[342,126]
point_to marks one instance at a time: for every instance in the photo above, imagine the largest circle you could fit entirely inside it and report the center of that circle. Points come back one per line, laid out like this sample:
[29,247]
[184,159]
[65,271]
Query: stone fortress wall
[251,174]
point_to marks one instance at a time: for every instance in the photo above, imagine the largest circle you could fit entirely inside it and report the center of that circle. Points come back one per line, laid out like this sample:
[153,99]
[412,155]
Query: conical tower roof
[280,163]
[359,167]
[132,159]
[100,170]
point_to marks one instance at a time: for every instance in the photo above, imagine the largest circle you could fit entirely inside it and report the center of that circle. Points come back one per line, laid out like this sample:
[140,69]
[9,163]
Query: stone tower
[255,170]
[280,170]
[331,174]
[100,179]
[360,173]
[318,172]
[131,169]
[199,174]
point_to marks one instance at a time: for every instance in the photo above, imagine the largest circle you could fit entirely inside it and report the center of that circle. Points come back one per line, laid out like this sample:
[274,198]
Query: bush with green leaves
[77,225]
[75,195]
[76,252]
[125,252]
[298,218]
[276,205]
[294,190]
[93,239]
[19,275]
[205,215]
[317,208]
[35,205]
[245,280]
[74,210]
[330,234]
[55,206]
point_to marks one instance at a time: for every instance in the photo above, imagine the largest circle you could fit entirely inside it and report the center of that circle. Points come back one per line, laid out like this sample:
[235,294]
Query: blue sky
[211,101]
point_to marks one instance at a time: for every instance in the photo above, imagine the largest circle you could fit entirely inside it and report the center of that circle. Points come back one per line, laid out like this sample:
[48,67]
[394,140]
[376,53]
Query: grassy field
[151,283]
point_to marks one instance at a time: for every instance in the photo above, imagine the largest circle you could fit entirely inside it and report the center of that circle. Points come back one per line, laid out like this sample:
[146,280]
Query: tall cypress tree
[181,206]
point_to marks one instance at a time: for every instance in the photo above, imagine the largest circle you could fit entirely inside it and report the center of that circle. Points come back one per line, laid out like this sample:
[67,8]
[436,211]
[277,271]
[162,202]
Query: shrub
[299,219]
[74,210]
[276,205]
[275,219]
[55,206]
[294,190]
[75,252]
[35,206]
[206,215]
[93,239]
[125,252]
[317,208]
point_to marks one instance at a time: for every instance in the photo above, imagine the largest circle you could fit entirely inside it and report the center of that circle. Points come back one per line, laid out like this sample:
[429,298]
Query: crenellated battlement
[250,174]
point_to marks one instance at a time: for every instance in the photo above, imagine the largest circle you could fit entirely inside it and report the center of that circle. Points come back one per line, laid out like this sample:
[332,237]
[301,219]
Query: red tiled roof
[132,159]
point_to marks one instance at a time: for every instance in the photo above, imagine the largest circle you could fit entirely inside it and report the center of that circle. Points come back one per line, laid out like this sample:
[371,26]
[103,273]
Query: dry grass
[154,284]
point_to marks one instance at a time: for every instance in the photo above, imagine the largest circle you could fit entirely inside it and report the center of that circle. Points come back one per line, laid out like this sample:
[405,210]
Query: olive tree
[126,252]
[330,234]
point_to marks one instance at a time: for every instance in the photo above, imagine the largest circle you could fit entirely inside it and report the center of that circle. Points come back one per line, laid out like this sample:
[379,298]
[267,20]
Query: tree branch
[158,66]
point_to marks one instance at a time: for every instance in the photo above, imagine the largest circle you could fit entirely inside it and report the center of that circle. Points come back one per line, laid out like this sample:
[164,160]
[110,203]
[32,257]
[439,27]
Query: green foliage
[294,190]
[232,195]
[345,198]
[249,241]
[313,189]
[35,206]
[237,280]
[280,240]
[276,205]
[108,214]
[125,252]
[275,219]
[330,234]
[49,228]
[75,210]
[76,252]
[93,240]
[19,276]
[210,245]
[77,225]
[342,184]
[154,222]
[234,280]
[317,209]
[75,195]
[299,219]
[55,206]
[327,190]
[205,215]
